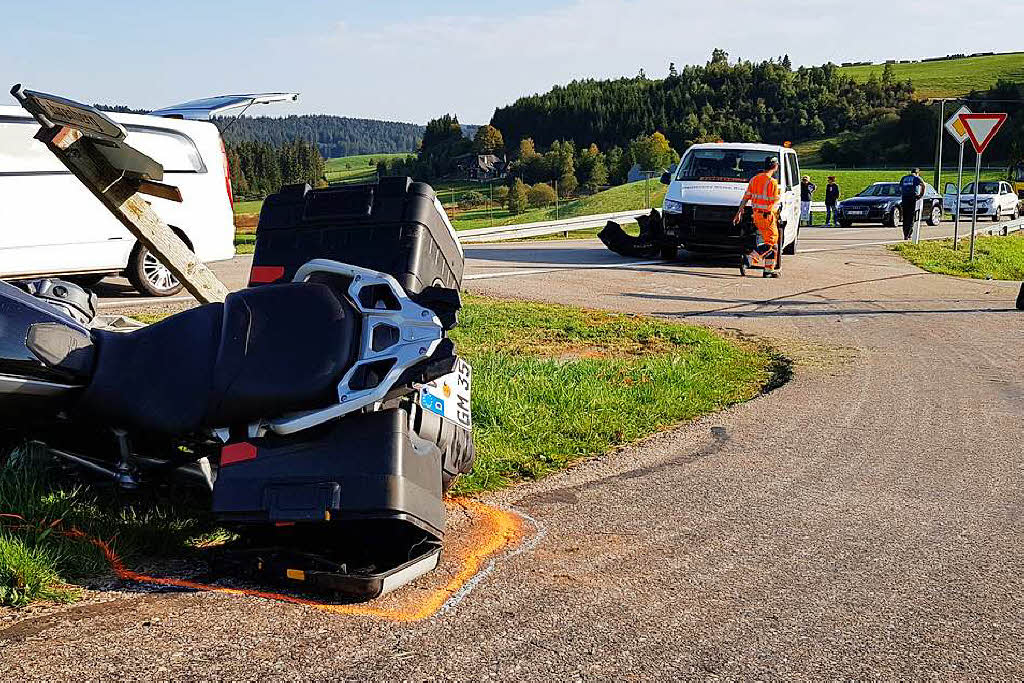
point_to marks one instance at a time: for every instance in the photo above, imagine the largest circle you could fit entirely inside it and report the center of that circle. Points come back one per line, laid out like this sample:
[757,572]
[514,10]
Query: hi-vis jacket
[763,191]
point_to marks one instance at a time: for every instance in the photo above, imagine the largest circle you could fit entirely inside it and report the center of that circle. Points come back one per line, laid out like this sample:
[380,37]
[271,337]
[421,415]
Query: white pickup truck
[50,224]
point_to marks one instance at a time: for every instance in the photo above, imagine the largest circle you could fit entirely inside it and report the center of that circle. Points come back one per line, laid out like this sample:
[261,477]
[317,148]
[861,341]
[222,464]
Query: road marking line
[540,531]
[555,267]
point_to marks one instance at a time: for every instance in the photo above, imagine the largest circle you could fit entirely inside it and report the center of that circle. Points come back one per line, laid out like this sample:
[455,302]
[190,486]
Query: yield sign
[981,128]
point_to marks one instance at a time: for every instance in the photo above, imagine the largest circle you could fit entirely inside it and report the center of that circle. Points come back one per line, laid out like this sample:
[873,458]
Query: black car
[880,203]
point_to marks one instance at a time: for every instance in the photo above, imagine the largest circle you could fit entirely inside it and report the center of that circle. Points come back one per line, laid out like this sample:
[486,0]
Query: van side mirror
[666,178]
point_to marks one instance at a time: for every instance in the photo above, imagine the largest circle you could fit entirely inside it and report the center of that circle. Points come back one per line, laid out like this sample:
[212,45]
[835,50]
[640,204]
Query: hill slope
[950,77]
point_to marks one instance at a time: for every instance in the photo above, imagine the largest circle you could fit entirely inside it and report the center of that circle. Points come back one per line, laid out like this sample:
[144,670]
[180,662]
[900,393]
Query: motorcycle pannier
[394,226]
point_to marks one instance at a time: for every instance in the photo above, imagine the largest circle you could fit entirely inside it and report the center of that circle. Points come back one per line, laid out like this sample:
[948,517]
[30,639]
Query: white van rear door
[206,108]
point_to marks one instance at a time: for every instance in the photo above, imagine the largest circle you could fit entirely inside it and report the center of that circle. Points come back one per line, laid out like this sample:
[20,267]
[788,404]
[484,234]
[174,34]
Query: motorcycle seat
[263,352]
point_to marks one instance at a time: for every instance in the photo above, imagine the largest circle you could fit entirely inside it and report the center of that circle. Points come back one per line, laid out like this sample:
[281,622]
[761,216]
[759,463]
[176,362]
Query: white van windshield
[722,165]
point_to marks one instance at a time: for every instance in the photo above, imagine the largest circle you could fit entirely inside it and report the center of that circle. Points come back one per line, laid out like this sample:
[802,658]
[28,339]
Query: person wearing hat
[831,202]
[807,189]
[764,197]
[911,193]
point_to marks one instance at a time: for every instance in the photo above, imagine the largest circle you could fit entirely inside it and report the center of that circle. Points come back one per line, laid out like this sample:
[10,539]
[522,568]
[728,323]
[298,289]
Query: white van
[708,185]
[50,224]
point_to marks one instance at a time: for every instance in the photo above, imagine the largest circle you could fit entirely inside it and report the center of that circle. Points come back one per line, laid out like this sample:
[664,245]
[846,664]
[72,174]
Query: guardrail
[511,232]
[506,232]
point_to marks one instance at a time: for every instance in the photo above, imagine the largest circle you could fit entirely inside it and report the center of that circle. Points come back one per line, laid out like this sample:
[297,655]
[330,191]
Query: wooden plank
[120,194]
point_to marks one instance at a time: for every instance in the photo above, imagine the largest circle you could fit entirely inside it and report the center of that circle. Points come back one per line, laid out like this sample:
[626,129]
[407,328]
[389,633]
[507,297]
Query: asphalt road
[864,520]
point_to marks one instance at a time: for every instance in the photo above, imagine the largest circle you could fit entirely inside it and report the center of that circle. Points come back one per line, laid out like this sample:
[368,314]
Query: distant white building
[636,173]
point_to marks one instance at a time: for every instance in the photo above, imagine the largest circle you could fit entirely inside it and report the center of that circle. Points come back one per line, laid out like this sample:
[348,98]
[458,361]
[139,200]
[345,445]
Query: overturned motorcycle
[323,406]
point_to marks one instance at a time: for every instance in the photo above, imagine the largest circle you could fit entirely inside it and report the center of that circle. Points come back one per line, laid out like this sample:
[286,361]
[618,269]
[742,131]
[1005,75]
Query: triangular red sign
[981,128]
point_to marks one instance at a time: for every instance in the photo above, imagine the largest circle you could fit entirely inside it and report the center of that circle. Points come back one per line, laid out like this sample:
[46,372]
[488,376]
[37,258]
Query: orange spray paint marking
[496,529]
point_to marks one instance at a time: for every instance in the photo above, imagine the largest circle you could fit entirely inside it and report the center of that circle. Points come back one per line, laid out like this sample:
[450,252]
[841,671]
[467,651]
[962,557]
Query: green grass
[355,169]
[553,384]
[40,507]
[247,207]
[950,78]
[999,258]
[245,243]
[27,574]
[619,198]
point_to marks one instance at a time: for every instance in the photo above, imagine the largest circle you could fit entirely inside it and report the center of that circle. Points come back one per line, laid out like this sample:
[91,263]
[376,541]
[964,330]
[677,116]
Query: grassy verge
[553,384]
[41,506]
[355,169]
[245,243]
[999,258]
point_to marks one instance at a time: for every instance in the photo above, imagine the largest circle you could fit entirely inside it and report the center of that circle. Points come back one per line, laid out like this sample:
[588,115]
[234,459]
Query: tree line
[335,136]
[259,169]
[745,101]
[909,135]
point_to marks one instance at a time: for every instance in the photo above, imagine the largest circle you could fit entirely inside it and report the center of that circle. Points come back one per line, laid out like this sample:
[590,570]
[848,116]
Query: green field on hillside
[619,198]
[354,169]
[952,77]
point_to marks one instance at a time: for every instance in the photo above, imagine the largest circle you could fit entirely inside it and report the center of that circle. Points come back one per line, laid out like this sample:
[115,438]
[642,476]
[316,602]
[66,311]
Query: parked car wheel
[936,216]
[845,224]
[896,219]
[669,252]
[998,215]
[149,276]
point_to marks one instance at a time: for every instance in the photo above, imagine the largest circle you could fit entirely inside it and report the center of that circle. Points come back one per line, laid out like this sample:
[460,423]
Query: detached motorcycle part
[648,244]
[69,298]
[358,562]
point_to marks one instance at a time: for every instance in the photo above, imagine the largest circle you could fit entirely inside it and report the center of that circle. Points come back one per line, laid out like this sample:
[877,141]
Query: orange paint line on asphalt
[494,528]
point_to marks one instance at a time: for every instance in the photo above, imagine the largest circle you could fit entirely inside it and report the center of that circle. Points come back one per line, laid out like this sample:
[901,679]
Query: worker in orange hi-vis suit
[764,196]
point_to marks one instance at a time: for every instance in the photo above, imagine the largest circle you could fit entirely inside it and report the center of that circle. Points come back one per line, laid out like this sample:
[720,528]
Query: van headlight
[672,206]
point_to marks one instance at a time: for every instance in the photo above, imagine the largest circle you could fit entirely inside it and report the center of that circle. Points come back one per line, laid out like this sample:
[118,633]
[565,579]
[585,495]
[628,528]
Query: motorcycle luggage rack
[396,333]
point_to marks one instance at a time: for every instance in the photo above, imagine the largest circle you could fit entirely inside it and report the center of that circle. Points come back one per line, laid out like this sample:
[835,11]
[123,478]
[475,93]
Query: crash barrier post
[92,146]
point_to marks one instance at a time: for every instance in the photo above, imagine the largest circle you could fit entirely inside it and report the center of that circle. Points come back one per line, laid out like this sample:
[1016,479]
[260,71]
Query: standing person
[831,202]
[764,197]
[911,192]
[807,189]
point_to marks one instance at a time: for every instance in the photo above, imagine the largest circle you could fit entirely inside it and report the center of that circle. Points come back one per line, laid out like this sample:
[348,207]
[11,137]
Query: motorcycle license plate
[449,396]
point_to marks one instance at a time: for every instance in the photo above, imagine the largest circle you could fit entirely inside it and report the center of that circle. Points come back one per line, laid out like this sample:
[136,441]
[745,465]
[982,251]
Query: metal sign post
[977,182]
[981,128]
[955,128]
[959,187]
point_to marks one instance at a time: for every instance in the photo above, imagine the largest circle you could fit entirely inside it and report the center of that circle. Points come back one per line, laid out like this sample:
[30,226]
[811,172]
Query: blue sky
[408,61]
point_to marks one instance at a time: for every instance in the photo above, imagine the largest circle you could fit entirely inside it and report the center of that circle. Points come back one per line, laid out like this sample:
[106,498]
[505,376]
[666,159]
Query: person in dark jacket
[911,193]
[831,202]
[807,189]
